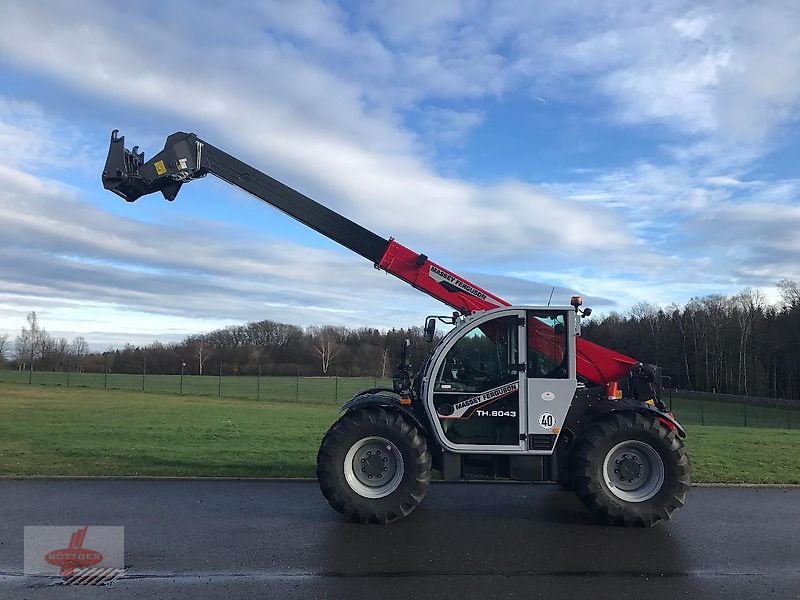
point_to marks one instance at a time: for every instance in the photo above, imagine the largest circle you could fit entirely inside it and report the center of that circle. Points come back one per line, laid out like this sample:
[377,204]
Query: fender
[379,397]
[667,418]
[592,402]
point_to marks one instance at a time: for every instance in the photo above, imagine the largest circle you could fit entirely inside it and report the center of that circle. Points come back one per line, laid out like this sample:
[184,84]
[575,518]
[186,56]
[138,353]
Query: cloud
[89,270]
[358,160]
[320,95]
[450,126]
[28,140]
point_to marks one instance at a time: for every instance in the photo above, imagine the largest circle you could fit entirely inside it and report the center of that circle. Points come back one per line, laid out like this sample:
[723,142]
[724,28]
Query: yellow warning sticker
[160,168]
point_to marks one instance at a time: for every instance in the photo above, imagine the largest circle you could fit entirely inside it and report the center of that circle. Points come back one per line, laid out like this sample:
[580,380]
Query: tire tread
[341,497]
[593,494]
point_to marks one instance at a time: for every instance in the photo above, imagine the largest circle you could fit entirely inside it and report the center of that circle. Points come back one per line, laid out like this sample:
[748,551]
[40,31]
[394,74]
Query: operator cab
[503,380]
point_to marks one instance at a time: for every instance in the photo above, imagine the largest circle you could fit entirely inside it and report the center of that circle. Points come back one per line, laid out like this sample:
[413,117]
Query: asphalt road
[245,539]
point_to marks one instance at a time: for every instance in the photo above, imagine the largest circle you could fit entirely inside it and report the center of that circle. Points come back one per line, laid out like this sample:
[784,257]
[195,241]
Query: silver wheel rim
[373,467]
[633,471]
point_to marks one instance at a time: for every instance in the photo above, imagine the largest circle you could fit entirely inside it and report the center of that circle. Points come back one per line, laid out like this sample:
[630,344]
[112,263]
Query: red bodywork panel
[595,363]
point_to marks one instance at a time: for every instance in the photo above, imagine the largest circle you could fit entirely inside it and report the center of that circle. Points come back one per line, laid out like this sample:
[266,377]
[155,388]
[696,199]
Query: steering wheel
[466,370]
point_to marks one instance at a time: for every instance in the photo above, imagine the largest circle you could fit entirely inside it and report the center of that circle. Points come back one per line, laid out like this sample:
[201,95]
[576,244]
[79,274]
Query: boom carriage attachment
[510,391]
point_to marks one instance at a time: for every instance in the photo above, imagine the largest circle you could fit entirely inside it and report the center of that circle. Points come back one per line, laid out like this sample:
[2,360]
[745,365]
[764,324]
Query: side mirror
[430,329]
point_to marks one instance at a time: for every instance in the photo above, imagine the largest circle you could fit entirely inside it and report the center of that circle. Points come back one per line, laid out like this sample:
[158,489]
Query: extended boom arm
[186,157]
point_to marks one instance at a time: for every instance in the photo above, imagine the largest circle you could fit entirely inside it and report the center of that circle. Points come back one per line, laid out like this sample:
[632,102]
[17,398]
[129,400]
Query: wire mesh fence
[317,390]
[720,410]
[725,411]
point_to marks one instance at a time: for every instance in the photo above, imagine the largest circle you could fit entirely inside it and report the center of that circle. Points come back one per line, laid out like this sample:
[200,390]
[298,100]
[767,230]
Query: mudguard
[667,418]
[385,398]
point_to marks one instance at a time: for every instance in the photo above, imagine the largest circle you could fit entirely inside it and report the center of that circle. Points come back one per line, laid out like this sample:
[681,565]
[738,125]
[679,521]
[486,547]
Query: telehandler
[509,392]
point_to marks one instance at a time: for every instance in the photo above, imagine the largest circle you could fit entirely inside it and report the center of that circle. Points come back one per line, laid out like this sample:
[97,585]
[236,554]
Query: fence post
[219,382]
[258,383]
[144,369]
[336,394]
[744,404]
[183,366]
[702,414]
[788,419]
[67,372]
[297,387]
[30,373]
[105,378]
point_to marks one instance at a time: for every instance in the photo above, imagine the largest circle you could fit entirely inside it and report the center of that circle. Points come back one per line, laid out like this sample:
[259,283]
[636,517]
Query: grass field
[57,431]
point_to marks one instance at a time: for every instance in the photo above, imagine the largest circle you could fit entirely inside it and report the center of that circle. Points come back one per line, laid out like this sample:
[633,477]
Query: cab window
[482,359]
[476,391]
[547,345]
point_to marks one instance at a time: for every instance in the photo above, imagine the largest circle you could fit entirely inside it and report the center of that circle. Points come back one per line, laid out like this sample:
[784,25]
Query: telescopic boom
[186,157]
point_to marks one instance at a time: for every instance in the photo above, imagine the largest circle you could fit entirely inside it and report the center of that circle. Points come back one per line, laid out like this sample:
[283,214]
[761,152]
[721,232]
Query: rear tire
[374,466]
[631,469]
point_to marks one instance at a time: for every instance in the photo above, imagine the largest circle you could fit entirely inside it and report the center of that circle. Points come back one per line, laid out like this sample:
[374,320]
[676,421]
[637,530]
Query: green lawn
[739,455]
[75,431]
[57,431]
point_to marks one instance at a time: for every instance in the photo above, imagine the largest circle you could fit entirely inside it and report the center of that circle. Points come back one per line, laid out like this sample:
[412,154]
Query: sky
[625,151]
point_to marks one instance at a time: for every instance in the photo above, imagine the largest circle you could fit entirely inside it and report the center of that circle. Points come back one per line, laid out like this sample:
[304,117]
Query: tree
[79,349]
[749,303]
[4,346]
[32,341]
[680,319]
[326,344]
[202,353]
[790,292]
[383,362]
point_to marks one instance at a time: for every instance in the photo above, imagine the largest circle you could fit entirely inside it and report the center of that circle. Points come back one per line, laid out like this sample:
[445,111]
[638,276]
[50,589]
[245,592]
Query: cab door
[550,375]
[476,397]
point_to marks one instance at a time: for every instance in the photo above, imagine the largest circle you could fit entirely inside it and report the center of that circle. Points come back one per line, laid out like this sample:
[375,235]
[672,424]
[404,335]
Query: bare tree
[30,343]
[748,303]
[326,344]
[680,318]
[60,350]
[717,310]
[4,346]
[202,353]
[383,363]
[790,292]
[652,316]
[79,349]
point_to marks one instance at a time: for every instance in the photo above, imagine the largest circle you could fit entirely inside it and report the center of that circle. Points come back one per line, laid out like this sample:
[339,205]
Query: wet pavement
[245,539]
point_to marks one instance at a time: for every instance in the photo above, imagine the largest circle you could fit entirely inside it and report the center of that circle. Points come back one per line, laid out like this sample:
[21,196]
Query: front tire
[631,469]
[373,465]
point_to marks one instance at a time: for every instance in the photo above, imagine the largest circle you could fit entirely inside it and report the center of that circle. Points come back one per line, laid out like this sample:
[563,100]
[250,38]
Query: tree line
[265,347]
[737,344]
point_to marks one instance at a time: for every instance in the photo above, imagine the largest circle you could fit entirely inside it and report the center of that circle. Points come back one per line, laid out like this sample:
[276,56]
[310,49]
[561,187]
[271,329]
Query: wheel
[374,466]
[631,469]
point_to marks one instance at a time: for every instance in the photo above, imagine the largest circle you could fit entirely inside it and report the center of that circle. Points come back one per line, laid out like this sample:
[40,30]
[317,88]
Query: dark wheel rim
[373,467]
[633,471]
